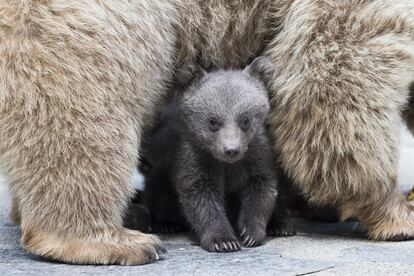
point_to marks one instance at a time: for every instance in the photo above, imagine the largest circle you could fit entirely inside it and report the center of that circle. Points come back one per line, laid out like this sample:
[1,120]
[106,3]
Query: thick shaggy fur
[79,80]
[73,100]
[347,67]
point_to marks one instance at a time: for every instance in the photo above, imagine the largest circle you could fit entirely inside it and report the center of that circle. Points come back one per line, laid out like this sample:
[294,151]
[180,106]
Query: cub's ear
[262,68]
[188,73]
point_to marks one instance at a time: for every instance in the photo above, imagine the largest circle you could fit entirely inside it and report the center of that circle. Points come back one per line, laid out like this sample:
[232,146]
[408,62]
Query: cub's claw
[221,245]
[251,238]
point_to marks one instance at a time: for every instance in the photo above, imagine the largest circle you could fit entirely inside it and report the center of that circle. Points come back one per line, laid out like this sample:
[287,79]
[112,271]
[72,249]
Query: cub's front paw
[252,236]
[167,227]
[137,217]
[224,243]
[281,227]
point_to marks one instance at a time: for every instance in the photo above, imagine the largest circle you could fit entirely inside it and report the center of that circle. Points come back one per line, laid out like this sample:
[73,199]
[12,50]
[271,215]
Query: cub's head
[224,110]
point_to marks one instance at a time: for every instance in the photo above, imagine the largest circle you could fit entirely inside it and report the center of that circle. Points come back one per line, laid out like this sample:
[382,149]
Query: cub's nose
[232,151]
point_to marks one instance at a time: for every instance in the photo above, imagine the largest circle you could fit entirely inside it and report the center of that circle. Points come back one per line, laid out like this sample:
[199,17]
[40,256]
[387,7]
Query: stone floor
[318,249]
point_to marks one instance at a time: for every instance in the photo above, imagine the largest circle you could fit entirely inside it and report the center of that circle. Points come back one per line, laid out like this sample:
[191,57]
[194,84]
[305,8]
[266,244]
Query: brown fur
[80,79]
[73,100]
[347,66]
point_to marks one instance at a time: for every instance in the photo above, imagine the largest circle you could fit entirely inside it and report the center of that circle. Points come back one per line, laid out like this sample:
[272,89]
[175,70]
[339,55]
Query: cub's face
[224,110]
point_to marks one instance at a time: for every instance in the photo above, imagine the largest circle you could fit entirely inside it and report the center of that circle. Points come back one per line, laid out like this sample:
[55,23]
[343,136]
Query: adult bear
[79,80]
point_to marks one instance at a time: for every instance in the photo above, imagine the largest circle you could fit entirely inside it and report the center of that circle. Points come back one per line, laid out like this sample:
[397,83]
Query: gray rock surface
[318,249]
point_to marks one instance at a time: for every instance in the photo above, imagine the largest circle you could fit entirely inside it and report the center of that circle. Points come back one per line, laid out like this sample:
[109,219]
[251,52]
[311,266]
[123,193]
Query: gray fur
[224,173]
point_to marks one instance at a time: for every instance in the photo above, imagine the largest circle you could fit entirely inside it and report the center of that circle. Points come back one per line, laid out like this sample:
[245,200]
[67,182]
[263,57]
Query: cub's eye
[213,124]
[245,122]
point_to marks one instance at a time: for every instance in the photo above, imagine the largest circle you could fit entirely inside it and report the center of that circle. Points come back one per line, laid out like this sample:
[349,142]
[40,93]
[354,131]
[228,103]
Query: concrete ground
[318,249]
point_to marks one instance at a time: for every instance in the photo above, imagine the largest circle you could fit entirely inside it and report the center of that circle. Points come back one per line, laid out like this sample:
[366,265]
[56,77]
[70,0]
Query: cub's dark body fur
[222,200]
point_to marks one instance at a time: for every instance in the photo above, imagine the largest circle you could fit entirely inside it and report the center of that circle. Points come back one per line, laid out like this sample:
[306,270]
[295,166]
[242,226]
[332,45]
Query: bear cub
[209,164]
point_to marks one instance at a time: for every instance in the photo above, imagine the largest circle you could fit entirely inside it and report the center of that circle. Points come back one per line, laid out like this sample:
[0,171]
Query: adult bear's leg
[344,73]
[78,79]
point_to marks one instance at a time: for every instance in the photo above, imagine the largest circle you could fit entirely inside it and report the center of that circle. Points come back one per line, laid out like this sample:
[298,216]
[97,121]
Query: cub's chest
[236,177]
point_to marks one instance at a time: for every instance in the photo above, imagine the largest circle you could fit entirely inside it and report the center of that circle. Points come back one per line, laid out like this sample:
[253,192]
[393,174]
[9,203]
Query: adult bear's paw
[392,219]
[122,246]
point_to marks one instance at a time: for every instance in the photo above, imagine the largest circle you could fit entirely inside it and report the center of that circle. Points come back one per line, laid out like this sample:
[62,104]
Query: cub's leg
[155,211]
[281,224]
[204,209]
[257,205]
[202,201]
[161,199]
[137,217]
[79,80]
